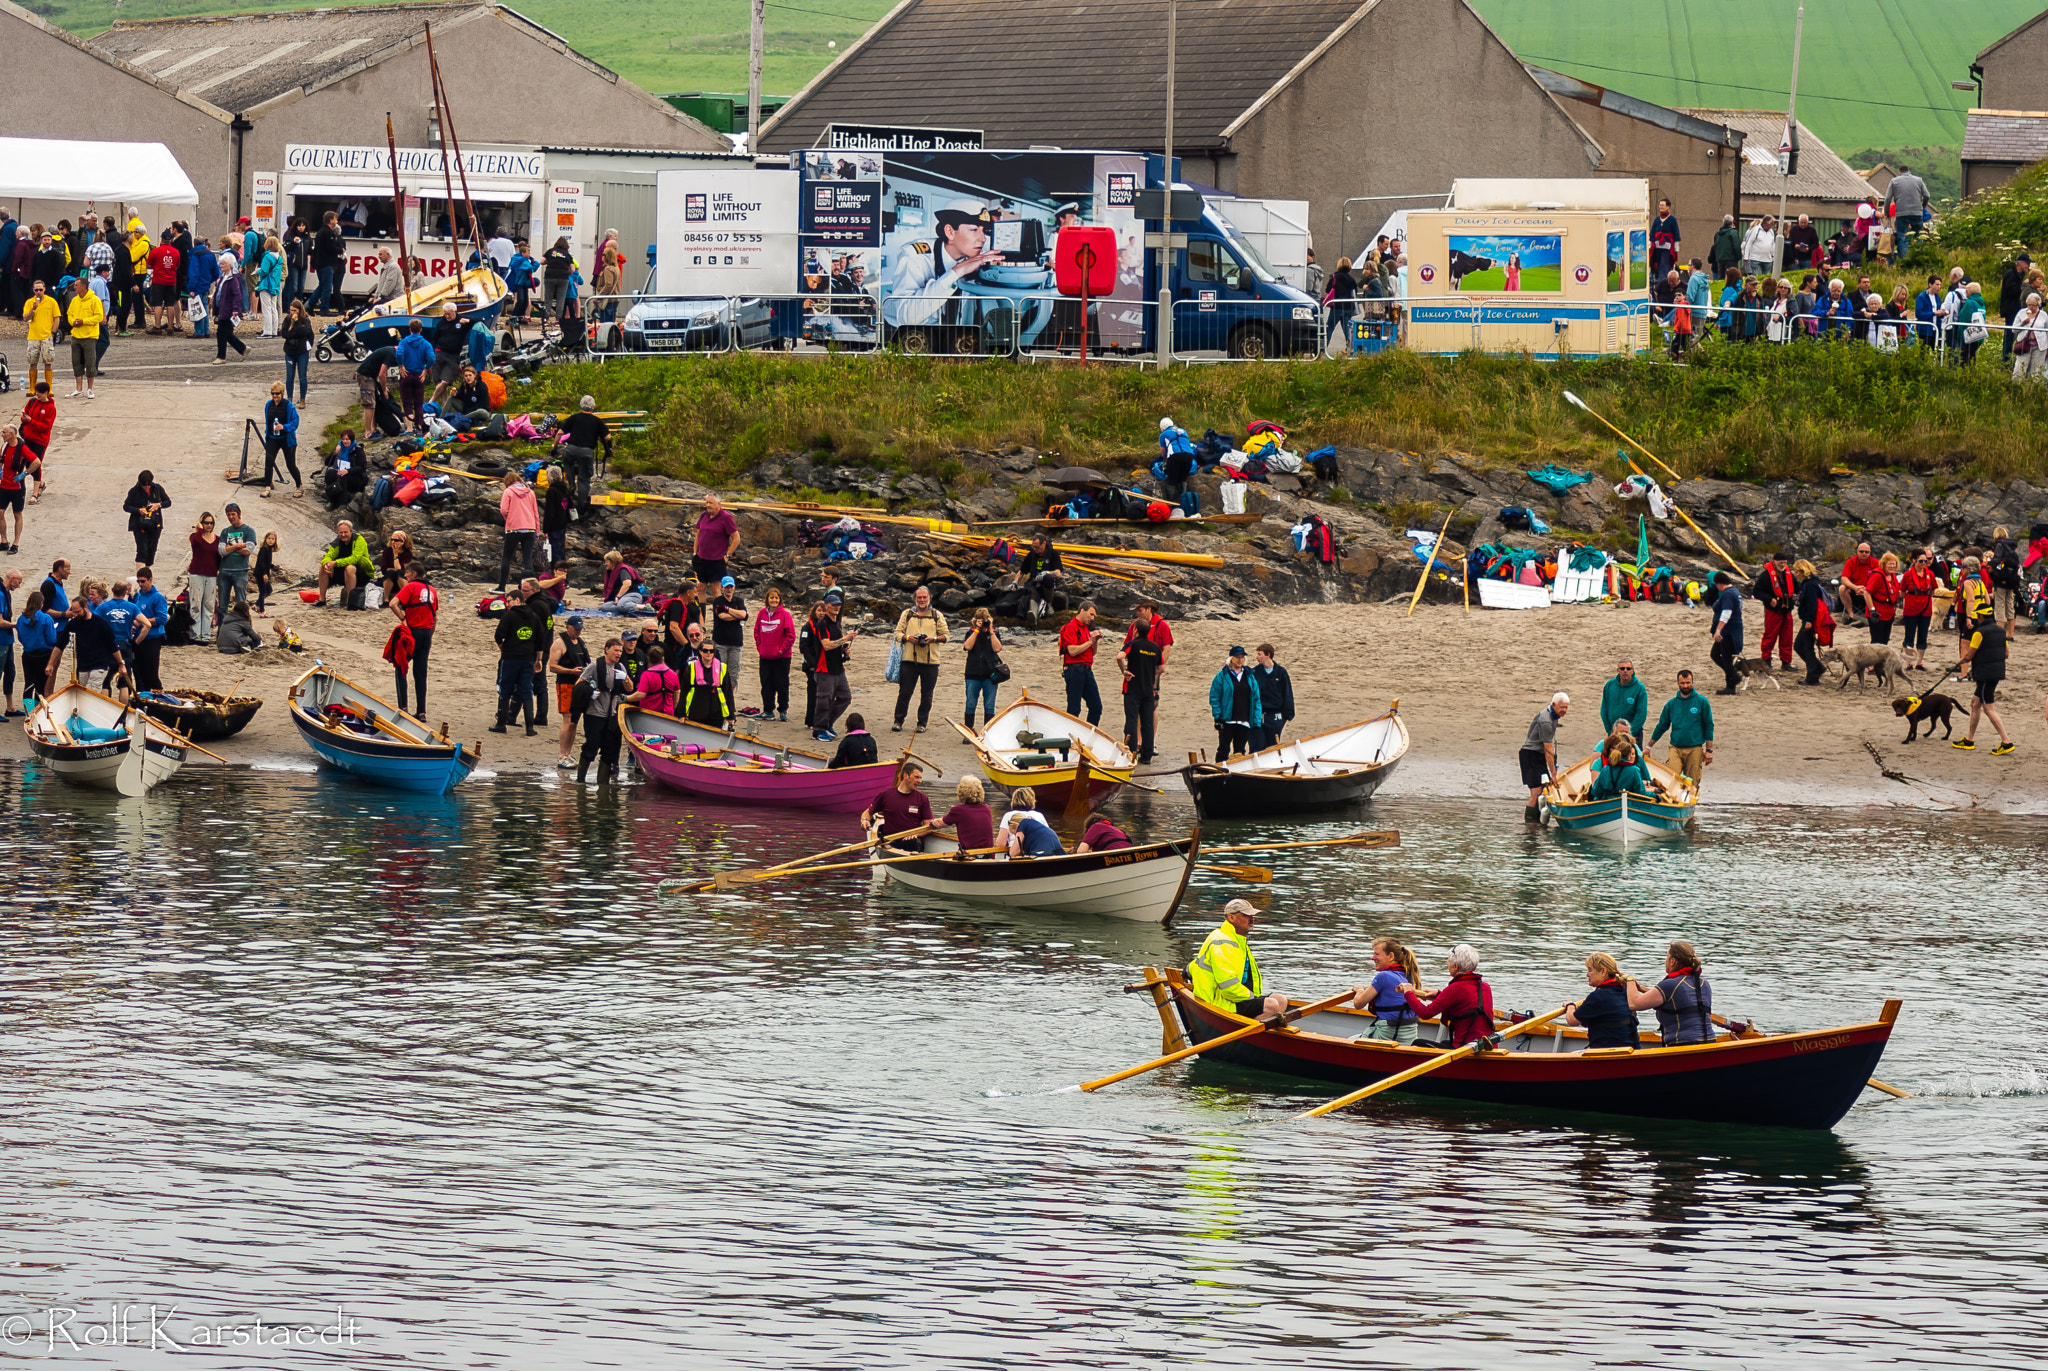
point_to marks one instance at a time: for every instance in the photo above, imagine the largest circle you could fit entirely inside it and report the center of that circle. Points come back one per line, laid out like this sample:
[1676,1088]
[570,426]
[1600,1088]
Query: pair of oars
[1471,1049]
[1259,875]
[725,880]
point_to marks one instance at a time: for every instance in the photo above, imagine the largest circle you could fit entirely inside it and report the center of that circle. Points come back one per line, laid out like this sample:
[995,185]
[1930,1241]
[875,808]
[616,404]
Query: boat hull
[224,719]
[728,777]
[1139,883]
[996,747]
[420,762]
[1787,1080]
[1639,819]
[1342,766]
[114,764]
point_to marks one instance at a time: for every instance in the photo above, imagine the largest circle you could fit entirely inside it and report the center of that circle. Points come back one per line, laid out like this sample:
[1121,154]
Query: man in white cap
[927,275]
[1225,974]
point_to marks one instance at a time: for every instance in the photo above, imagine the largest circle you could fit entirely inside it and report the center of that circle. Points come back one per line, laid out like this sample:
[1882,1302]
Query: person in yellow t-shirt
[85,314]
[42,313]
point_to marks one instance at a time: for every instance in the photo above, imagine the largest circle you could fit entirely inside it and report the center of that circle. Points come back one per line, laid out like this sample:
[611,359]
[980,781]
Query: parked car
[705,324]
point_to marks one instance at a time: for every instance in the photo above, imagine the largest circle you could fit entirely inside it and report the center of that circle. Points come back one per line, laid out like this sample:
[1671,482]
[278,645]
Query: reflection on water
[277,1044]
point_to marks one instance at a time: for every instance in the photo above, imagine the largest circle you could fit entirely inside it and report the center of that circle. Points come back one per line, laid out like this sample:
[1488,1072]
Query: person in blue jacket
[281,436]
[38,634]
[1836,312]
[152,618]
[415,361]
[1927,311]
[519,279]
[1235,706]
[203,271]
[9,583]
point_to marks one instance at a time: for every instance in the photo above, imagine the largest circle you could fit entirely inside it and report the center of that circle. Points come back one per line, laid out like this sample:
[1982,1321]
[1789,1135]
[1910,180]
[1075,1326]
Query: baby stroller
[339,339]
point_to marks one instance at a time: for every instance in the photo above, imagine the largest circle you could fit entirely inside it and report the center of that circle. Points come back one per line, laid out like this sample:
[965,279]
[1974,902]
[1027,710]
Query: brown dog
[1925,709]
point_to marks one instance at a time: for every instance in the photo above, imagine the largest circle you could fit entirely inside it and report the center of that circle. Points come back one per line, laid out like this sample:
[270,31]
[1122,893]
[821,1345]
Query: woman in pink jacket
[521,512]
[774,642]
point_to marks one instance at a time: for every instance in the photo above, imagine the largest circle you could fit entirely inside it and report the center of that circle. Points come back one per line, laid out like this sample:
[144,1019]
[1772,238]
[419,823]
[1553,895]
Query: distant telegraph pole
[1788,145]
[754,76]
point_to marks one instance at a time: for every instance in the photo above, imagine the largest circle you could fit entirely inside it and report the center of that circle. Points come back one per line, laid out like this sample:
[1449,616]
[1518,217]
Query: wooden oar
[1257,875]
[1471,1049]
[756,871]
[1387,838]
[755,878]
[1261,1026]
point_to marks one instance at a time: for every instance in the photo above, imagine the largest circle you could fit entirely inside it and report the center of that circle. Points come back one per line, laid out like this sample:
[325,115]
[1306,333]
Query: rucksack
[1003,551]
[1190,504]
[1324,461]
[1321,541]
[2005,565]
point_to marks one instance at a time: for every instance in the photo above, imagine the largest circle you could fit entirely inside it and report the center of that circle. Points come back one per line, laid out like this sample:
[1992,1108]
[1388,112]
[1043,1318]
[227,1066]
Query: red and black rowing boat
[1789,1080]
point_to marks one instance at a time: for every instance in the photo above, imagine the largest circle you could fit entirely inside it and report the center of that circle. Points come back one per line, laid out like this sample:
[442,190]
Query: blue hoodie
[152,604]
[203,271]
[38,632]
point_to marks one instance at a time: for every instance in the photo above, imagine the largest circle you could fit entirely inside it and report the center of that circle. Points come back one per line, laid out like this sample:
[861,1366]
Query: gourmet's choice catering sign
[725,232]
[336,159]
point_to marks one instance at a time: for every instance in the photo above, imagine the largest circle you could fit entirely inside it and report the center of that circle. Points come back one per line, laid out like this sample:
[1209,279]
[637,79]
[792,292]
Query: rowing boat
[1144,882]
[478,294]
[1322,771]
[755,776]
[96,741]
[1621,818]
[1790,1080]
[201,715]
[348,727]
[653,723]
[1068,748]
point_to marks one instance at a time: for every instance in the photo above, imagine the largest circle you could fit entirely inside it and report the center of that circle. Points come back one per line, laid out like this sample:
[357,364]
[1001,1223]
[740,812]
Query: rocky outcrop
[1381,492]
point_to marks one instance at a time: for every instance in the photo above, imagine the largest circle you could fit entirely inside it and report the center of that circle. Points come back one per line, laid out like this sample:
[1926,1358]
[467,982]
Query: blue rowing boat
[348,727]
[1621,819]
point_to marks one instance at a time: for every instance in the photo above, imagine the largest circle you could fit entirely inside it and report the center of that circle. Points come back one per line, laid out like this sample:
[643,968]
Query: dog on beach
[1925,709]
[1756,669]
[1857,658]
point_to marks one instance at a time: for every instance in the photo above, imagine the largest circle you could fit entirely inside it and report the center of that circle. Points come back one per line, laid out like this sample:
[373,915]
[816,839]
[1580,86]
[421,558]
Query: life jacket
[1783,591]
[1321,541]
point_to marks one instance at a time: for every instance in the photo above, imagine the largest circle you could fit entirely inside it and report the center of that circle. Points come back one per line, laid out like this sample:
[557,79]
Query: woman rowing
[1606,1014]
[1684,1001]
[1393,967]
[1465,1006]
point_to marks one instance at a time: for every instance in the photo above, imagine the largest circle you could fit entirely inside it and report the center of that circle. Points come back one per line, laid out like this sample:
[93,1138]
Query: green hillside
[1872,73]
[657,44]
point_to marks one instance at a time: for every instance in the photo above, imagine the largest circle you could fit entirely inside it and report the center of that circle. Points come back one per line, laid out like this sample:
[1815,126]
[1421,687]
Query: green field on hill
[1874,73]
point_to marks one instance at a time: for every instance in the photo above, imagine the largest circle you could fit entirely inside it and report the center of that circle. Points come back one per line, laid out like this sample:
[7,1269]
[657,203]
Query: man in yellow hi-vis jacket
[1224,973]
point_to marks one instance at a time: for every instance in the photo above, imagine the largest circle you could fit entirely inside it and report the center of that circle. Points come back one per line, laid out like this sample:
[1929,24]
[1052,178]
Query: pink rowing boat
[744,772]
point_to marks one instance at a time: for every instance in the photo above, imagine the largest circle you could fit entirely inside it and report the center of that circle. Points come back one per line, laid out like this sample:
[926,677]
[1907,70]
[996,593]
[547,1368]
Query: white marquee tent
[52,178]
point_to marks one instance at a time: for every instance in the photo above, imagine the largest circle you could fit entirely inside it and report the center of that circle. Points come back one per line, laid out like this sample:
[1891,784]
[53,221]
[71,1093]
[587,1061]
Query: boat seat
[1026,761]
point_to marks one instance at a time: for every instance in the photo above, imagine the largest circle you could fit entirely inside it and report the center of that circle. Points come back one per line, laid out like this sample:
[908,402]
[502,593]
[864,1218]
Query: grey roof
[1615,102]
[1822,174]
[1083,75]
[2005,135]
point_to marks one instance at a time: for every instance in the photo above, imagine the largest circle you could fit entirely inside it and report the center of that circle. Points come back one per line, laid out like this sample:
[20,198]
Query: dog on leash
[1756,669]
[1857,658]
[1925,709]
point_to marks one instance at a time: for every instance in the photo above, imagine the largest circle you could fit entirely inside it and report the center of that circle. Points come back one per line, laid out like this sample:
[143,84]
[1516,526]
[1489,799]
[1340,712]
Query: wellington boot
[1531,814]
[529,719]
[583,774]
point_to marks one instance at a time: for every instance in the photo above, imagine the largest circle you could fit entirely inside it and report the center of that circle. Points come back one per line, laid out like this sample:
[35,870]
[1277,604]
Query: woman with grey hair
[1465,1005]
[2029,340]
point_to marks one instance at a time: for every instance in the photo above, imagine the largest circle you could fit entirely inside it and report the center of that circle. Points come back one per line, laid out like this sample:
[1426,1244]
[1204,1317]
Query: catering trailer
[1549,267]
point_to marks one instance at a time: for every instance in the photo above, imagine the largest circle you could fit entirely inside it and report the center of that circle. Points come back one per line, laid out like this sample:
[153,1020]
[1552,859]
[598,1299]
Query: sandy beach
[1467,683]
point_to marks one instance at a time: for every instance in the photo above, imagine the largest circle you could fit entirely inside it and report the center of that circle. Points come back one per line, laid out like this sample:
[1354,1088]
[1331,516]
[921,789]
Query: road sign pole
[1165,329]
[1788,143]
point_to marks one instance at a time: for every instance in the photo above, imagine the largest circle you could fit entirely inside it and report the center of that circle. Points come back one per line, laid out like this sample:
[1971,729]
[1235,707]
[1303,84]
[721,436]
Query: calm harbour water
[277,1045]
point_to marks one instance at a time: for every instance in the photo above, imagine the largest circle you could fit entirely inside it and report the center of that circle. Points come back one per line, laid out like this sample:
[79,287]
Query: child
[1681,327]
[285,637]
[857,748]
[1394,966]
[266,568]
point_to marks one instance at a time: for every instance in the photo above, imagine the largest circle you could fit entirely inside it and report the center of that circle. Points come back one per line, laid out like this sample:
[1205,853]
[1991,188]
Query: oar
[1257,875]
[755,877]
[755,872]
[1260,1027]
[1667,471]
[1422,582]
[1387,838]
[1077,795]
[1471,1049]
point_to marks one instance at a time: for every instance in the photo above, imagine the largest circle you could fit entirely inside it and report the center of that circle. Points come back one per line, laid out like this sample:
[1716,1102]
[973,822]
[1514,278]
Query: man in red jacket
[1779,590]
[38,417]
[1465,1005]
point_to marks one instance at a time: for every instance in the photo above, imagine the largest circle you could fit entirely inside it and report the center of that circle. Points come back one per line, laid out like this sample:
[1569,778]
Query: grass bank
[1739,412]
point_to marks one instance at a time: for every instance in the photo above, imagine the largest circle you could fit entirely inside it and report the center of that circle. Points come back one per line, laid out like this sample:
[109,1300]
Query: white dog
[1858,658]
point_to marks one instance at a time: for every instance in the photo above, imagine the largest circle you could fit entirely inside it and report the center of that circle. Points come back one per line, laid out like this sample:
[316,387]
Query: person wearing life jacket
[1778,587]
[1984,654]
[1225,974]
[704,699]
[1465,1006]
[1605,1014]
[1684,1000]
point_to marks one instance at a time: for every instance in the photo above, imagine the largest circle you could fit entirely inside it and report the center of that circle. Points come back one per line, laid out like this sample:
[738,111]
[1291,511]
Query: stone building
[1358,108]
[227,93]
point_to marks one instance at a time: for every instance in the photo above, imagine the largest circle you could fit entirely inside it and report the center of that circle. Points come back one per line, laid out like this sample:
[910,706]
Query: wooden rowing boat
[1789,1080]
[96,741]
[1011,763]
[1310,775]
[1144,882]
[361,733]
[743,774]
[201,715]
[1621,819]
